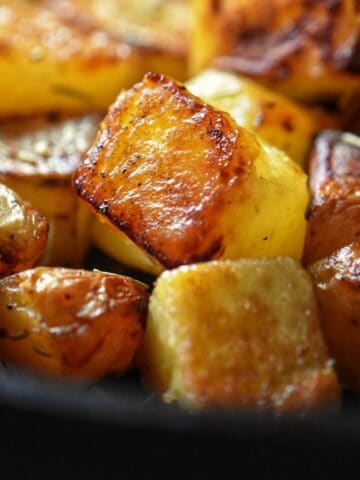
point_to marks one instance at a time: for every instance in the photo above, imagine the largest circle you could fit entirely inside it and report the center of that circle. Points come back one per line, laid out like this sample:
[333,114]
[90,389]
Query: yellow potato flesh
[238,333]
[59,65]
[278,120]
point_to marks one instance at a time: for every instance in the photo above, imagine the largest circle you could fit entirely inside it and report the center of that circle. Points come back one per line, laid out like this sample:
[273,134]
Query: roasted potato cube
[23,233]
[334,216]
[238,333]
[37,158]
[50,63]
[158,28]
[337,288]
[307,50]
[276,119]
[185,184]
[71,323]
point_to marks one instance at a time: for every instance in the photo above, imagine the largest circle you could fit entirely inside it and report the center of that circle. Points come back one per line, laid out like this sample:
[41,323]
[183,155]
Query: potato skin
[71,323]
[37,158]
[238,333]
[337,288]
[334,215]
[186,184]
[306,50]
[23,233]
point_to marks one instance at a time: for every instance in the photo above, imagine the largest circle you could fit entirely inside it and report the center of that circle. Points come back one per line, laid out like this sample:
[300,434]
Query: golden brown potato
[337,288]
[158,28]
[334,216]
[185,184]
[37,158]
[238,333]
[51,63]
[71,323]
[23,233]
[278,120]
[307,50]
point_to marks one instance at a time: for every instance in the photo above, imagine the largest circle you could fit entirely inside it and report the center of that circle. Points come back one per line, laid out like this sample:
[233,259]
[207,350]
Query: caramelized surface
[71,322]
[185,184]
[281,122]
[306,49]
[45,147]
[37,158]
[161,169]
[334,216]
[337,287]
[23,233]
[238,333]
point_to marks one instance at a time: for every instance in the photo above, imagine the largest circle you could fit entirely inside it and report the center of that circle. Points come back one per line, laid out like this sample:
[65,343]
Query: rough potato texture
[57,63]
[275,118]
[185,184]
[306,49]
[73,323]
[23,233]
[37,158]
[337,288]
[334,216]
[238,333]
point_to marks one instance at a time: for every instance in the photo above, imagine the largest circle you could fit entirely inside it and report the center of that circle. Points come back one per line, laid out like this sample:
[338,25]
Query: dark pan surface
[66,430]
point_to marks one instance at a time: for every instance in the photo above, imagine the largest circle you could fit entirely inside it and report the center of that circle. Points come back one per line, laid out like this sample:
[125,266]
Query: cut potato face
[23,233]
[334,216]
[279,121]
[337,289]
[238,333]
[186,184]
[71,323]
[59,64]
[306,50]
[37,158]
[119,247]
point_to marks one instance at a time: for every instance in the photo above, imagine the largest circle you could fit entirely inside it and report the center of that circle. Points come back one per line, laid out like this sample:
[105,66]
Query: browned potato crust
[306,49]
[280,121]
[337,288]
[45,147]
[334,216]
[37,158]
[23,233]
[186,184]
[73,323]
[238,333]
[165,192]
